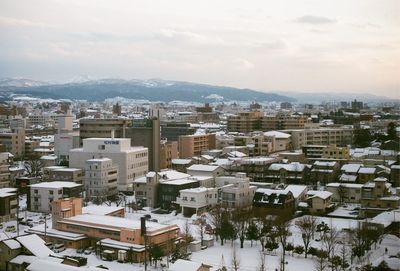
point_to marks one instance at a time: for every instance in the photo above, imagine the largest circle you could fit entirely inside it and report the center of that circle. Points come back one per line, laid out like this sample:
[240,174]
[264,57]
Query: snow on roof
[295,166]
[184,265]
[20,259]
[100,210]
[367,170]
[181,161]
[35,245]
[257,160]
[351,168]
[324,164]
[181,181]
[347,178]
[319,194]
[277,134]
[67,169]
[110,222]
[56,184]
[207,168]
[296,190]
[12,244]
[55,233]
[386,218]
[172,175]
[268,191]
[121,245]
[348,185]
[105,159]
[237,154]
[48,265]
[222,162]
[197,190]
[6,192]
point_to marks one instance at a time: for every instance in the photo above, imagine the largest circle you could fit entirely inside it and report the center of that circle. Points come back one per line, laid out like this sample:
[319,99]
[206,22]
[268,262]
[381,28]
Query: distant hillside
[152,90]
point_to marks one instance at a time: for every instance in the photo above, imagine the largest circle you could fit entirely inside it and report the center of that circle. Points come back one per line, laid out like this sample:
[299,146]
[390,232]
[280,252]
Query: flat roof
[56,184]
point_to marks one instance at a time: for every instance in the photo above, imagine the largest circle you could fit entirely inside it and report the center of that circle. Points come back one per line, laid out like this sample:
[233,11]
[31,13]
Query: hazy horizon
[313,46]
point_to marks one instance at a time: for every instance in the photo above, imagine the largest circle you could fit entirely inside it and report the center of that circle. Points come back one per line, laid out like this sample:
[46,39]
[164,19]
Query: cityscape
[267,139]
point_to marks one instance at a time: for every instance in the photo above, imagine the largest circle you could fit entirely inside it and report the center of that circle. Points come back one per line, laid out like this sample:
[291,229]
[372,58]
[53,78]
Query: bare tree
[262,262]
[330,240]
[241,219]
[283,232]
[33,166]
[321,263]
[235,260]
[307,226]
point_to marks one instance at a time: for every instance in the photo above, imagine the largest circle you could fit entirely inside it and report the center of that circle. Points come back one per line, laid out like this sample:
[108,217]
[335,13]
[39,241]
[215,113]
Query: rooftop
[56,184]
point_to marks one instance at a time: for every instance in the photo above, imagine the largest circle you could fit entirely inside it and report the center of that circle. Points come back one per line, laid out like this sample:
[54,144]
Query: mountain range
[90,89]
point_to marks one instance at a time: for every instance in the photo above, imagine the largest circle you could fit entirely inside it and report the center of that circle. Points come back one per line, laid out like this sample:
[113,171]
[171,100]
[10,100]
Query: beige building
[193,145]
[319,202]
[132,162]
[14,141]
[168,152]
[4,172]
[8,204]
[113,231]
[235,191]
[377,194]
[345,192]
[334,152]
[103,128]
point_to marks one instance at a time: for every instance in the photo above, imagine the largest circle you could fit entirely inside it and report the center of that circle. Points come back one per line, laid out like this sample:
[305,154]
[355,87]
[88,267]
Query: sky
[309,46]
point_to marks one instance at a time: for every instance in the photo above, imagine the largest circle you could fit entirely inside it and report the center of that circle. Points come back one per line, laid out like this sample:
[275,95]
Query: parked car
[88,250]
[1,226]
[10,228]
[49,245]
[80,250]
[58,248]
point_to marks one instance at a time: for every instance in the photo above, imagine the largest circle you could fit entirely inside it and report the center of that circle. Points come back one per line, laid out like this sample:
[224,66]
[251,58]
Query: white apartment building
[236,191]
[132,162]
[195,200]
[101,178]
[64,142]
[41,195]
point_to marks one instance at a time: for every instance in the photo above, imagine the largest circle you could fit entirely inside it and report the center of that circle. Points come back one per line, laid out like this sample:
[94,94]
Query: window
[102,147]
[51,192]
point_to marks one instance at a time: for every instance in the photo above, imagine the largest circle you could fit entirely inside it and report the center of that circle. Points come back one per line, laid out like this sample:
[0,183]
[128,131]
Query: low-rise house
[168,191]
[319,202]
[377,194]
[324,172]
[274,201]
[205,170]
[196,200]
[345,192]
[235,191]
[366,174]
[293,173]
[185,265]
[75,175]
[9,249]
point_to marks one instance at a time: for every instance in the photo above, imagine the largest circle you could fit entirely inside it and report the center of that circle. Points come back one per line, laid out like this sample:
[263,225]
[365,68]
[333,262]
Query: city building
[319,202]
[168,152]
[197,200]
[64,174]
[132,162]
[173,130]
[14,141]
[205,170]
[324,172]
[101,178]
[8,204]
[345,192]
[5,160]
[41,195]
[103,128]
[274,202]
[193,145]
[235,191]
[334,152]
[168,191]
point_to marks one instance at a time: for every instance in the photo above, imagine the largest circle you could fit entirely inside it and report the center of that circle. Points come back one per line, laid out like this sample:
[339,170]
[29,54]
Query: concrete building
[14,141]
[101,178]
[168,152]
[345,192]
[197,200]
[112,232]
[5,159]
[8,204]
[168,191]
[205,170]
[173,130]
[64,142]
[235,191]
[324,172]
[377,195]
[193,145]
[320,136]
[319,202]
[146,133]
[103,128]
[75,175]
[132,162]
[280,141]
[41,195]
[334,152]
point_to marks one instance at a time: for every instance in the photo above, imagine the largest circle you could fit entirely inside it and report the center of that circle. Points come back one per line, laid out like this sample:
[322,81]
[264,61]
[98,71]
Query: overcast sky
[311,45]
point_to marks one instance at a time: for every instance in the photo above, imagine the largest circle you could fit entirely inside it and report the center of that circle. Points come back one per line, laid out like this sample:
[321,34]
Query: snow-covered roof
[181,181]
[6,192]
[12,244]
[324,164]
[367,170]
[296,190]
[35,245]
[121,245]
[56,184]
[295,166]
[351,168]
[172,175]
[55,233]
[319,194]
[49,265]
[20,259]
[181,161]
[277,134]
[347,178]
[207,168]
[348,185]
[100,210]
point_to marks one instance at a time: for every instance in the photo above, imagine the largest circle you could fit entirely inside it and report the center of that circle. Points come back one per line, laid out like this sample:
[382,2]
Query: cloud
[168,34]
[310,19]
[8,21]
[243,64]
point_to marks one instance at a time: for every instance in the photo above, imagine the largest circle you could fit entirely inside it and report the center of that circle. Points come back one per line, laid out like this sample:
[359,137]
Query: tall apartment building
[101,178]
[146,133]
[132,161]
[193,145]
[4,172]
[13,140]
[168,152]
[246,122]
[103,128]
[173,130]
[321,136]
